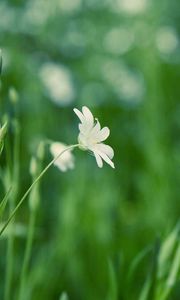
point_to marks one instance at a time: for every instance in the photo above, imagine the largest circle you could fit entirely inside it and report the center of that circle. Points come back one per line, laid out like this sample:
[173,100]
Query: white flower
[58,82]
[131,6]
[66,160]
[91,137]
[167,40]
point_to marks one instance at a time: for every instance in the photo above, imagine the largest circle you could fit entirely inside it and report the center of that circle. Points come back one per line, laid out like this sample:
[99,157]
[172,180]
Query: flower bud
[34,195]
[13,95]
[34,198]
[64,296]
[40,151]
[33,167]
[3,131]
[0,62]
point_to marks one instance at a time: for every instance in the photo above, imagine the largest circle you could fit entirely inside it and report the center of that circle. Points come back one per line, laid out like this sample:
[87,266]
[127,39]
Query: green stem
[9,264]
[10,241]
[27,255]
[34,196]
[172,275]
[31,187]
[4,201]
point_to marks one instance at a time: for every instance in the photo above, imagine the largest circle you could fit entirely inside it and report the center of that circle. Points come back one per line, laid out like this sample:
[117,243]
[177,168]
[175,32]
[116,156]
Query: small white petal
[96,129]
[81,127]
[103,134]
[79,114]
[88,115]
[106,159]
[66,160]
[85,128]
[98,159]
[61,166]
[106,149]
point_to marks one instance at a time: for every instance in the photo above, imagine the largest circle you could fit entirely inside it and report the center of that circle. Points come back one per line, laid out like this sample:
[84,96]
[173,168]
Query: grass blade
[149,289]
[4,202]
[64,296]
[166,251]
[136,262]
[113,289]
[171,280]
[0,62]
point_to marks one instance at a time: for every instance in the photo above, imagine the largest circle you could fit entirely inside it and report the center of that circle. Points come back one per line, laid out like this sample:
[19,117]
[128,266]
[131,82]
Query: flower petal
[82,140]
[98,159]
[88,115]
[79,114]
[61,166]
[85,128]
[91,135]
[96,129]
[106,159]
[105,149]
[65,160]
[103,134]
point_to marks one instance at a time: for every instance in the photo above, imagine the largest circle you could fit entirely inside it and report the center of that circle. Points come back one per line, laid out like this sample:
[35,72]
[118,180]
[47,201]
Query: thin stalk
[34,197]
[32,185]
[10,241]
[27,254]
[4,201]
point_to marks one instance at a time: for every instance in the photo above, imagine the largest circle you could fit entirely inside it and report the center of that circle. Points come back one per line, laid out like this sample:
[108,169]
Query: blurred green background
[121,59]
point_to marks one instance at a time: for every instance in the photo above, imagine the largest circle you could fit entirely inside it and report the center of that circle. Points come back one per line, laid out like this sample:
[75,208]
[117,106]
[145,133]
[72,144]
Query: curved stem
[32,185]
